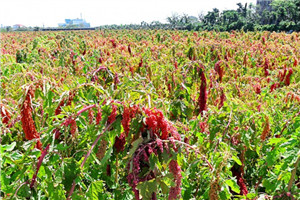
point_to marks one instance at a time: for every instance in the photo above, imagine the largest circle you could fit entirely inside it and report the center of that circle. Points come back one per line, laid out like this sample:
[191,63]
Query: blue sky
[101,12]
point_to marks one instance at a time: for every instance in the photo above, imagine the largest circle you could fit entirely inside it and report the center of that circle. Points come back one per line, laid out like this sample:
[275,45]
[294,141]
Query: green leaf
[164,187]
[153,160]
[257,149]
[15,156]
[59,175]
[5,183]
[107,155]
[237,160]
[224,195]
[271,158]
[95,190]
[188,193]
[147,188]
[135,145]
[71,170]
[8,147]
[62,147]
[274,141]
[24,191]
[233,185]
[269,184]
[251,195]
[56,192]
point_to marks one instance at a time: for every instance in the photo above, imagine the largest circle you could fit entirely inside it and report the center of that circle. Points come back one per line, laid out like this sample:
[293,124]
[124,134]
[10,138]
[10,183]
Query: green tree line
[283,15]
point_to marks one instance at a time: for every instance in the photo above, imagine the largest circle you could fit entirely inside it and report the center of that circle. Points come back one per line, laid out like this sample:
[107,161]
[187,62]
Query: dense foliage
[283,15]
[150,115]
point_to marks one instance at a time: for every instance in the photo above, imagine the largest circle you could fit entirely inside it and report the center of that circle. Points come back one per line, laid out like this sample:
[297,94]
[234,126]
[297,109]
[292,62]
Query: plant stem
[97,70]
[85,109]
[291,182]
[44,153]
[117,168]
[149,100]
[227,126]
[286,124]
[86,156]
[16,192]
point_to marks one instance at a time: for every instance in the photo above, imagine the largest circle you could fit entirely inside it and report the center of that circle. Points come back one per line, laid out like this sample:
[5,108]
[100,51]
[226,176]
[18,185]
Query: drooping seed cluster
[5,115]
[202,100]
[176,171]
[159,125]
[27,120]
[159,129]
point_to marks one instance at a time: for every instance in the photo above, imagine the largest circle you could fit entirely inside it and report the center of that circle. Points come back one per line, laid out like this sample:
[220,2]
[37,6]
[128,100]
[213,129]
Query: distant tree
[8,28]
[212,17]
[184,19]
[242,9]
[144,24]
[228,19]
[283,16]
[286,14]
[36,28]
[156,25]
[174,19]
[201,16]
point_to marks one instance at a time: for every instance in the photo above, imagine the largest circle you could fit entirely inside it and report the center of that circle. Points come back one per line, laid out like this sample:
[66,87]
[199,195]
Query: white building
[18,26]
[75,22]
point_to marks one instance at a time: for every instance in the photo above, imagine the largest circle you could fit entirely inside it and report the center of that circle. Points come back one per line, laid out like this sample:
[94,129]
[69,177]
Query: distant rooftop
[81,23]
[18,26]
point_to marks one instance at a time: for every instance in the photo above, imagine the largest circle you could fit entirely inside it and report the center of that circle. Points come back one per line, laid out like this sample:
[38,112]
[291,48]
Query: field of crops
[150,115]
